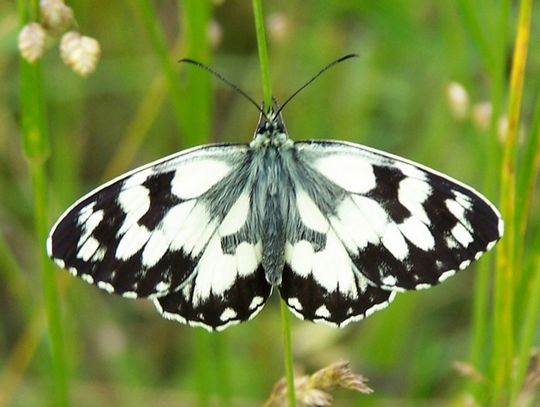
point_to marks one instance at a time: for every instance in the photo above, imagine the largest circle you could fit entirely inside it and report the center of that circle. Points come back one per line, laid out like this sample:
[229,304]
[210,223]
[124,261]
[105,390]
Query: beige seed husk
[32,41]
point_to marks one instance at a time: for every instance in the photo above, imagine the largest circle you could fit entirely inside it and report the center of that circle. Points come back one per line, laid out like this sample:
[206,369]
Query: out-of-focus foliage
[394,97]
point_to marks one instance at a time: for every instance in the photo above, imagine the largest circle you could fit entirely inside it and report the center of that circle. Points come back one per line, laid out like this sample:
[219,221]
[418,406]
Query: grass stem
[263,53]
[36,150]
[287,354]
[506,273]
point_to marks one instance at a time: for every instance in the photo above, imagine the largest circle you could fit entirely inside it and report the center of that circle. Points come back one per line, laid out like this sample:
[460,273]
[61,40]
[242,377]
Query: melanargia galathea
[337,227]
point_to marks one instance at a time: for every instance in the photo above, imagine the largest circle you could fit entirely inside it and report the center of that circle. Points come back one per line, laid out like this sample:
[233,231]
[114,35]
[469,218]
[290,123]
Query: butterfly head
[271,129]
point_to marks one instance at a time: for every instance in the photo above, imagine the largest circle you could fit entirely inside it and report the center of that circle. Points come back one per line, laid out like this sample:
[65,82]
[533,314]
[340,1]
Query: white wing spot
[352,173]
[137,179]
[352,227]
[135,202]
[89,225]
[227,314]
[309,213]
[105,286]
[60,263]
[322,312]
[155,248]
[88,249]
[132,241]
[246,259]
[167,234]
[412,194]
[293,302]
[129,294]
[88,278]
[216,272]
[302,258]
[332,268]
[500,227]
[236,218]
[464,264]
[99,254]
[195,177]
[394,242]
[446,275]
[410,170]
[255,302]
[375,217]
[451,242]
[162,286]
[85,213]
[417,233]
[463,200]
[389,280]
[459,212]
[195,232]
[462,235]
[422,286]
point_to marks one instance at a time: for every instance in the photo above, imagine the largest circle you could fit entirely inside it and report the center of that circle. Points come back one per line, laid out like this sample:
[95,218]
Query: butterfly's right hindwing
[158,230]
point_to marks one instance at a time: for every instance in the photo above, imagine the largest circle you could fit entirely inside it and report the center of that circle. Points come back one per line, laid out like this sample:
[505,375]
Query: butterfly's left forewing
[382,223]
[174,230]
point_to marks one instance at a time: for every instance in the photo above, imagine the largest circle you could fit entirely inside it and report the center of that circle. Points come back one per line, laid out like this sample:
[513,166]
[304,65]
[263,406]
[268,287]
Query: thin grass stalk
[198,106]
[506,272]
[529,326]
[11,274]
[472,24]
[36,150]
[528,172]
[267,97]
[287,354]
[21,356]
[146,10]
[263,53]
[495,62]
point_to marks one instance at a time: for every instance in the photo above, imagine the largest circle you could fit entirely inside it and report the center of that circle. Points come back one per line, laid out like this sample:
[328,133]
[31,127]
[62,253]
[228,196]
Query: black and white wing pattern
[179,231]
[370,224]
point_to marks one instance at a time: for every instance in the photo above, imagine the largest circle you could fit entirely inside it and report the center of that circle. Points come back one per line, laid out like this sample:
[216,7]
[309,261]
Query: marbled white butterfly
[337,227]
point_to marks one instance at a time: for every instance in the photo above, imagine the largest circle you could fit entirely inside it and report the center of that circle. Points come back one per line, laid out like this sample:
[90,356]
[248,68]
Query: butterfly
[338,228]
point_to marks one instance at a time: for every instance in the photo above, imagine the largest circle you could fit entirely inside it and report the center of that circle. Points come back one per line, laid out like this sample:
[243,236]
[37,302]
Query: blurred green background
[138,107]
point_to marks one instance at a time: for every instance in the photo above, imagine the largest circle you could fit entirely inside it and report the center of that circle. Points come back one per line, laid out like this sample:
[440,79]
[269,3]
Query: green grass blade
[157,39]
[506,273]
[36,149]
[263,53]
[287,354]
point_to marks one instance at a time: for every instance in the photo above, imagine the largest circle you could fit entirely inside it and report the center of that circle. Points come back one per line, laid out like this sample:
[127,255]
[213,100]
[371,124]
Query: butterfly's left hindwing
[375,224]
[162,231]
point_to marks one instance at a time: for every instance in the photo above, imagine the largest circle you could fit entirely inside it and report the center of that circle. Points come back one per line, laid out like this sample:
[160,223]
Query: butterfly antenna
[323,70]
[224,80]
